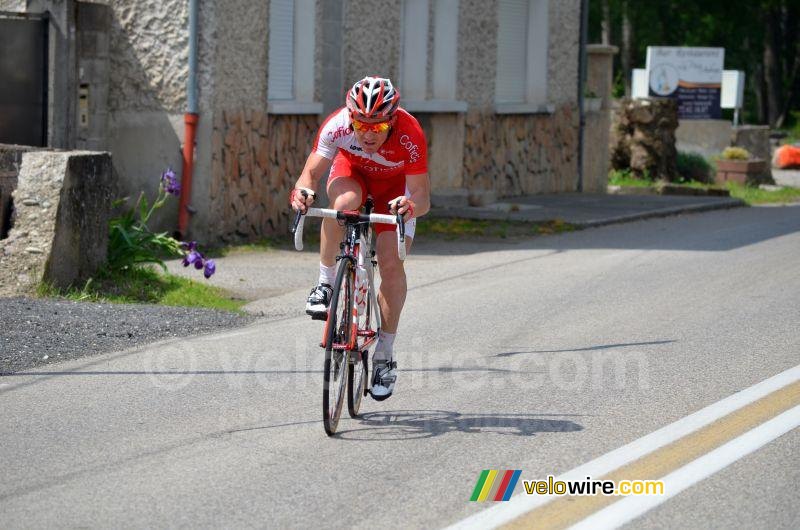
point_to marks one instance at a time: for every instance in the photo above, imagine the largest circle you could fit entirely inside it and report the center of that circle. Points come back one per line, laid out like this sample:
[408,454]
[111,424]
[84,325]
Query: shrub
[692,166]
[736,153]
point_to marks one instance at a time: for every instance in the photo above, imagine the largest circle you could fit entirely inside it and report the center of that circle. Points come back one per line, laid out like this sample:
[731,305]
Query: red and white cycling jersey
[405,152]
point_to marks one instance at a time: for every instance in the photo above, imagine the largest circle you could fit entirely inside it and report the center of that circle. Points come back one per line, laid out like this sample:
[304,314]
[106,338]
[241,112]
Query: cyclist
[369,146]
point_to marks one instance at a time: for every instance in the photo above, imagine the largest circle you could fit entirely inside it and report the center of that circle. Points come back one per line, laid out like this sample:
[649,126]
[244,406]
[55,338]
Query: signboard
[693,76]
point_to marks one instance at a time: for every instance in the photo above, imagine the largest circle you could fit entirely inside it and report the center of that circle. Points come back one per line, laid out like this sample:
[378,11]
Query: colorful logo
[494,485]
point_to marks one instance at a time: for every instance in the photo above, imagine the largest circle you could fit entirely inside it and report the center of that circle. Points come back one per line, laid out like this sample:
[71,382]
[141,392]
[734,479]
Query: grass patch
[624,177]
[695,184]
[459,228]
[752,195]
[142,285]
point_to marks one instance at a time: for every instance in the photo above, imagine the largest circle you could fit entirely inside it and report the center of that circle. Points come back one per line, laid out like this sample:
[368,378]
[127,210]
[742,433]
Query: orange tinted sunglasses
[379,127]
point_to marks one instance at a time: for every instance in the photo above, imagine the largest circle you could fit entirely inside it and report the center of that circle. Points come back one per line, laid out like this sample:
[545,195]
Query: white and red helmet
[373,97]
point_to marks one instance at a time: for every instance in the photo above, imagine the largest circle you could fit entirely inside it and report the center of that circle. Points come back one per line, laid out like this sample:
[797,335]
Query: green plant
[131,243]
[736,153]
[692,166]
[625,177]
[618,90]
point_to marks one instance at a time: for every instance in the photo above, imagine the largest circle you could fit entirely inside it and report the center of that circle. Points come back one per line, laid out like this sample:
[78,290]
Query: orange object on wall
[787,157]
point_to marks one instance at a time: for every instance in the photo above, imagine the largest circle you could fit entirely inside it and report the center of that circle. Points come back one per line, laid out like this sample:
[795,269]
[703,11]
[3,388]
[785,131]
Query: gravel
[43,331]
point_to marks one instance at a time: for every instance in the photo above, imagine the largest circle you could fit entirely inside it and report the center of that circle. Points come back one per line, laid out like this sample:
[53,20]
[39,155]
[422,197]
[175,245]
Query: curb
[664,212]
[445,213]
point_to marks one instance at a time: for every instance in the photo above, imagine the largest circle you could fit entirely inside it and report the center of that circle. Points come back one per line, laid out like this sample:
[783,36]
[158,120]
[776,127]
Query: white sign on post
[691,75]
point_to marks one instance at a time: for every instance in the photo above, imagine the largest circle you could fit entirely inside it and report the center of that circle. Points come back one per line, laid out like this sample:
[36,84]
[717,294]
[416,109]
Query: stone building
[494,84]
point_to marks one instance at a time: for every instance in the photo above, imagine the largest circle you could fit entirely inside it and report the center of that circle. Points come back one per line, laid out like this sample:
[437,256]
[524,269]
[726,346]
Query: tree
[763,40]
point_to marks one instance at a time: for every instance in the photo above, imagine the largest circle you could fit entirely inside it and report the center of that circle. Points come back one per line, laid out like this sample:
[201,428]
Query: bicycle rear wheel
[338,336]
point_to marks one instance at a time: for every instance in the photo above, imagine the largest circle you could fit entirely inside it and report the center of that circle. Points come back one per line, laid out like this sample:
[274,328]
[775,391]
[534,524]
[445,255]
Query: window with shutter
[445,49]
[415,50]
[280,80]
[512,44]
[522,45]
[414,65]
[290,81]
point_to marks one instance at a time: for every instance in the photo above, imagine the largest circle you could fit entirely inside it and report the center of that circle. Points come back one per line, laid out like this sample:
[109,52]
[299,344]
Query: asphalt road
[538,355]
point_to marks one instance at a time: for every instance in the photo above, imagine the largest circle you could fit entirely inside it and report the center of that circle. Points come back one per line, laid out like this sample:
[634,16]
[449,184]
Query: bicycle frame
[356,252]
[360,253]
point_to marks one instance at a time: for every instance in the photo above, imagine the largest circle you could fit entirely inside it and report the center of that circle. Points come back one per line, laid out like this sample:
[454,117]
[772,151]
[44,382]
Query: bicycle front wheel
[357,379]
[337,340]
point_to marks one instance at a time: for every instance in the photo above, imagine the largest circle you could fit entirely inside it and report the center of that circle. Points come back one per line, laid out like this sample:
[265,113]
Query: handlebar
[299,221]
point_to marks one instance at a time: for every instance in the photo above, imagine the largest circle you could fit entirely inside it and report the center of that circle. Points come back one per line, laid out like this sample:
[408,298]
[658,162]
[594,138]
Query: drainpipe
[581,85]
[191,118]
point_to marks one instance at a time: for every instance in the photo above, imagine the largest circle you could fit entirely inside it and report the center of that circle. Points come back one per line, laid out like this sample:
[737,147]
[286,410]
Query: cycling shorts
[381,190]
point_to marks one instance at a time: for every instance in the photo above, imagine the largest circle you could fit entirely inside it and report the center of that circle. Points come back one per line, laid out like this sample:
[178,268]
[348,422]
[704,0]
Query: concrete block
[705,137]
[755,138]
[61,230]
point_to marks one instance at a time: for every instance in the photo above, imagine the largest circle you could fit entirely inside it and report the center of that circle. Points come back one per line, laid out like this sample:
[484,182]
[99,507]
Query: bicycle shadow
[417,424]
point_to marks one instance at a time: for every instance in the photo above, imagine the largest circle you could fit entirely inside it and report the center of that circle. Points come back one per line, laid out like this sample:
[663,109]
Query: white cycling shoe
[384,377]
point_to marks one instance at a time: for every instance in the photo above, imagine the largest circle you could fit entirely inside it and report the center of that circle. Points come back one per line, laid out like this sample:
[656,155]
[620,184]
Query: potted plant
[737,165]
[591,101]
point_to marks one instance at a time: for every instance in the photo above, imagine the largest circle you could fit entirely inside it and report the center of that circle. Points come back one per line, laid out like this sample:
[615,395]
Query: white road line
[503,512]
[630,508]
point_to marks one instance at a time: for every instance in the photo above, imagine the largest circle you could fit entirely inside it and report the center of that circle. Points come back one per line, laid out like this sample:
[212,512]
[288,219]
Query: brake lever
[298,215]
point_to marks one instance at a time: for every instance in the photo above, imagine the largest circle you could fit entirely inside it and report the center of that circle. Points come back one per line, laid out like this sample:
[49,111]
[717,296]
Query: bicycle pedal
[319,316]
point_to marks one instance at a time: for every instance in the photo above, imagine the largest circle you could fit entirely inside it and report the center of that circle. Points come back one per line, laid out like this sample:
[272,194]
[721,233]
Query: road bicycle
[353,320]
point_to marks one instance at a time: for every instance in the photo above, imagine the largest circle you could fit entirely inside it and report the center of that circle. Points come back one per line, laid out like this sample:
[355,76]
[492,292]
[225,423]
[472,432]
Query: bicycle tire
[336,365]
[357,386]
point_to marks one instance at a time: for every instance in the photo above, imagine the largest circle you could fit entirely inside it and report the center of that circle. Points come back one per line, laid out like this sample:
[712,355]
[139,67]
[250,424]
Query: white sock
[327,274]
[383,351]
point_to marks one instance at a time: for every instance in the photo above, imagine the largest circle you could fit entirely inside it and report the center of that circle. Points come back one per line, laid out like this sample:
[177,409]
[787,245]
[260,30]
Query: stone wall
[60,234]
[256,158]
[518,154]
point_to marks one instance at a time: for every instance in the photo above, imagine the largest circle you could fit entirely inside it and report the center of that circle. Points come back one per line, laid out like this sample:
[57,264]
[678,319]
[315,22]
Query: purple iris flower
[193,257]
[170,182]
[210,269]
[199,262]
